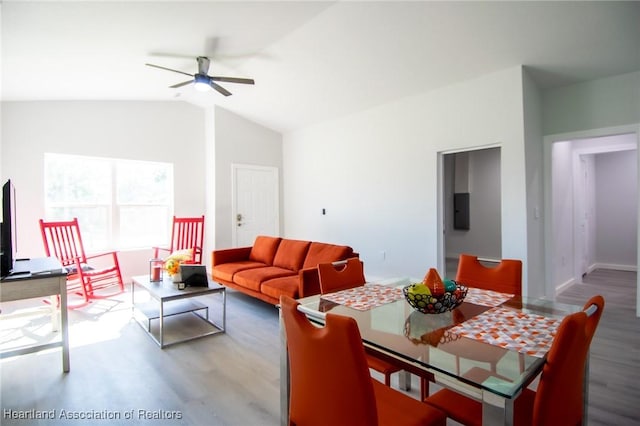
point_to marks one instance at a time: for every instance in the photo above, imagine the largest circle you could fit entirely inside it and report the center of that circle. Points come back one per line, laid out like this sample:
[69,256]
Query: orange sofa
[274,266]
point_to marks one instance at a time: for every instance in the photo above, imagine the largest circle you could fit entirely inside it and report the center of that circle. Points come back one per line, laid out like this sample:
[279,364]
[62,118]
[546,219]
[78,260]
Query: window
[120,204]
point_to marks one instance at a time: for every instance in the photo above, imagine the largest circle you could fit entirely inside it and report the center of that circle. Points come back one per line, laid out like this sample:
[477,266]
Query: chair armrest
[74,268]
[309,283]
[156,251]
[236,254]
[108,253]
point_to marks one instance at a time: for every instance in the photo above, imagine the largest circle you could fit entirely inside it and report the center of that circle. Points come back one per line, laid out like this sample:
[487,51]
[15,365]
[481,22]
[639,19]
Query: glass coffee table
[169,301]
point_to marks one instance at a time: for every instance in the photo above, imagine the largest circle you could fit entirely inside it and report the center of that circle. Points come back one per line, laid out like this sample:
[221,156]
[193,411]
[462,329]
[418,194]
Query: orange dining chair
[62,239]
[505,277]
[559,397]
[187,233]
[330,382]
[345,275]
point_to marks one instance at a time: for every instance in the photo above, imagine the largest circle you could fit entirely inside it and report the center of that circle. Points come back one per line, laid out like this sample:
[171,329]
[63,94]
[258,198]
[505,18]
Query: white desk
[38,278]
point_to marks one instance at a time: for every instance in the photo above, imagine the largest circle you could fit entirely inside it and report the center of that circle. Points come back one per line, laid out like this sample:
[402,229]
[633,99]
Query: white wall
[239,141]
[616,176]
[606,102]
[376,172]
[534,283]
[563,214]
[154,131]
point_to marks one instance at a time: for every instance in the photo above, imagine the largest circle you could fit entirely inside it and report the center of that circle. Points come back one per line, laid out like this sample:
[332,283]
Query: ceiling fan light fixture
[201,83]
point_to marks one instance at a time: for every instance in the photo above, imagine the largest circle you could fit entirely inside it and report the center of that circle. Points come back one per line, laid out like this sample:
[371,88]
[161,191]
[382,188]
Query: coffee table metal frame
[166,291]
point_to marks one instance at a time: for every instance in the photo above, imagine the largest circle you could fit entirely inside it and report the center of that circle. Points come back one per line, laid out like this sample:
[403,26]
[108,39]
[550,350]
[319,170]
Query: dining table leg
[404,380]
[496,410]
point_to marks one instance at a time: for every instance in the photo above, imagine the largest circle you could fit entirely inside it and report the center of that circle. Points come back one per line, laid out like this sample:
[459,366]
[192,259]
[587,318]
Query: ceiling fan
[203,81]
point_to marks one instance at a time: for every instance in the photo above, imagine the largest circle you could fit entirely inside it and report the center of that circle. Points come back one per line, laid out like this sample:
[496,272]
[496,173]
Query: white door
[255,209]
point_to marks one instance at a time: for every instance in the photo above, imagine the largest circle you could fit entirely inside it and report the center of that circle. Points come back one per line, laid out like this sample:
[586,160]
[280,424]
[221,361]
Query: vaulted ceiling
[312,61]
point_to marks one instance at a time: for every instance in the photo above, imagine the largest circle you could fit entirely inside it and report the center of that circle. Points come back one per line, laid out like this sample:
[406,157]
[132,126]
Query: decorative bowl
[432,304]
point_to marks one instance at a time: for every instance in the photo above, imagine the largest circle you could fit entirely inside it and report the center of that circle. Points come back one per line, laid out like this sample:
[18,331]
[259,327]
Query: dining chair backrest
[593,308]
[341,275]
[62,239]
[329,379]
[344,275]
[505,277]
[559,397]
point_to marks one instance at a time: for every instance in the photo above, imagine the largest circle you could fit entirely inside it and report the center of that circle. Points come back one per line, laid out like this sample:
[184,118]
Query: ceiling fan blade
[169,69]
[184,83]
[233,80]
[220,88]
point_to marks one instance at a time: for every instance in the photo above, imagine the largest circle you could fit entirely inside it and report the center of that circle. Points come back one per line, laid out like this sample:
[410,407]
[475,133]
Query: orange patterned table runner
[486,297]
[365,297]
[520,331]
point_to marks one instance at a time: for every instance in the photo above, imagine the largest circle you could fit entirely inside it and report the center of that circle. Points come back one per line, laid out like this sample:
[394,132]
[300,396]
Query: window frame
[114,239]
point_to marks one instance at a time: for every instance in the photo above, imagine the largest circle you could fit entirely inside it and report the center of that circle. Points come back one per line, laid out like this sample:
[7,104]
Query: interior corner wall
[239,141]
[210,181]
[170,132]
[376,172]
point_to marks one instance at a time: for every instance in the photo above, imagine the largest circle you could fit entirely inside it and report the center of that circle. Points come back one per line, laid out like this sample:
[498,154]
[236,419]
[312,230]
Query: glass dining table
[489,348]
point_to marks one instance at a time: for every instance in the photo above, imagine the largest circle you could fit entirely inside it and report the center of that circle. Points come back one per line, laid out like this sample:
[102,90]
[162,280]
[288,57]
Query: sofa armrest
[309,283]
[230,255]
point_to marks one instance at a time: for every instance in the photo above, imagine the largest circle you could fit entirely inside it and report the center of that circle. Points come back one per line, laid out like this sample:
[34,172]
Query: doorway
[255,203]
[592,189]
[471,206]
[596,179]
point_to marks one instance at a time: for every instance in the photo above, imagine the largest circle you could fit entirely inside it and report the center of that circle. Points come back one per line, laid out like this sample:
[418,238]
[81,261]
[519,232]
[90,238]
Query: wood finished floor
[233,378]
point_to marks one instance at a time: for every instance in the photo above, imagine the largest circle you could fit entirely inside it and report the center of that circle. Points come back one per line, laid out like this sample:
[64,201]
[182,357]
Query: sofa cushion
[264,249]
[225,271]
[253,278]
[291,254]
[321,253]
[283,285]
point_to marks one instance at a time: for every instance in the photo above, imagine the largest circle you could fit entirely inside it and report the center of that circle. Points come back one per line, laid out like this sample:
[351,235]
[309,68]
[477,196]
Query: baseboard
[614,266]
[562,287]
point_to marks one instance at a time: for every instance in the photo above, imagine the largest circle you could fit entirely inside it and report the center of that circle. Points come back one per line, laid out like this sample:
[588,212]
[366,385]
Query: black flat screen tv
[8,229]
